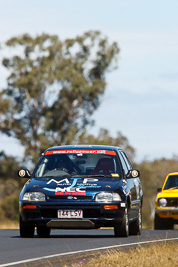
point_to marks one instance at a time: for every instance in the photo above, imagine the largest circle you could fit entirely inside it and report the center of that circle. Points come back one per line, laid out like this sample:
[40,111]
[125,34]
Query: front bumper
[94,215]
[167,212]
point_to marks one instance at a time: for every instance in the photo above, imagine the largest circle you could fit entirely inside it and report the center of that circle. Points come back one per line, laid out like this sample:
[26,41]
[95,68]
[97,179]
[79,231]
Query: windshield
[59,163]
[172,182]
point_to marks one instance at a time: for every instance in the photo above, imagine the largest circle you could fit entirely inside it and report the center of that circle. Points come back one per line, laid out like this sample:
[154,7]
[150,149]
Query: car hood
[168,193]
[74,186]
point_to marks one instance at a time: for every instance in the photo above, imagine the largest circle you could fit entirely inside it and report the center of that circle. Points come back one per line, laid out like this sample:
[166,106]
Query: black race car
[81,187]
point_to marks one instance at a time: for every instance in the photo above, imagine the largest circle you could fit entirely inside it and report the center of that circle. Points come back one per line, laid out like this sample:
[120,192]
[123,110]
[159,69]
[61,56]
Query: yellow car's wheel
[162,224]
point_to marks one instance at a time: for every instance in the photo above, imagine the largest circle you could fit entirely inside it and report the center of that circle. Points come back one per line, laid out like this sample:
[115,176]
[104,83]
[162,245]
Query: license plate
[70,214]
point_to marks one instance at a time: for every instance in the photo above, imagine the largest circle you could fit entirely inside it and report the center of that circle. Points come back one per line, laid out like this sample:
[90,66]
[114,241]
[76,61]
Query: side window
[129,165]
[124,166]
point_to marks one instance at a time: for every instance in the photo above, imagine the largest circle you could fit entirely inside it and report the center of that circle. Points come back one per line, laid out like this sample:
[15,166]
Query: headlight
[162,202]
[107,197]
[34,196]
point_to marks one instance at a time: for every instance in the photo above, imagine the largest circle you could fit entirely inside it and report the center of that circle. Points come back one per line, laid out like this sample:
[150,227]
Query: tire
[121,229]
[158,223]
[135,227]
[163,224]
[43,231]
[170,225]
[26,228]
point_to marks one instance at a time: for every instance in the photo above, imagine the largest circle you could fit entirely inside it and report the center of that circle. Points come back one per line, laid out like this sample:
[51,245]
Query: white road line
[83,251]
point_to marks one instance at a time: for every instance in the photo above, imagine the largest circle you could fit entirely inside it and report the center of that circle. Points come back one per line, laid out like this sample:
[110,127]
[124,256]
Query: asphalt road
[13,248]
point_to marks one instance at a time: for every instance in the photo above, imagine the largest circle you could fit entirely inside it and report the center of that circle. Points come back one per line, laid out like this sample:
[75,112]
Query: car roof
[95,147]
[172,173]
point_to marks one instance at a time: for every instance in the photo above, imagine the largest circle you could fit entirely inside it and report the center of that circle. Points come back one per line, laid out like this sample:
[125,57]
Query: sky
[142,94]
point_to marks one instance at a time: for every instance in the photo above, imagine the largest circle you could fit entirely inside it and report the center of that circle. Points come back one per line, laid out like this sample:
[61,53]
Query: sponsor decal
[59,182]
[76,151]
[86,181]
[70,193]
[67,190]
[72,188]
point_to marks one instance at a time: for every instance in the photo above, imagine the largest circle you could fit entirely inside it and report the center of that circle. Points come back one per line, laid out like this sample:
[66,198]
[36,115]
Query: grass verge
[9,225]
[159,255]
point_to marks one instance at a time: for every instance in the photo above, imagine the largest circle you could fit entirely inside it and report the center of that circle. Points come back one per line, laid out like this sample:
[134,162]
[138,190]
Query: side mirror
[133,174]
[24,173]
[159,189]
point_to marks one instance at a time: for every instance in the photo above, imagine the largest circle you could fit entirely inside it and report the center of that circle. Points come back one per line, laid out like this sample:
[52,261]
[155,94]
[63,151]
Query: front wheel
[121,229]
[136,226]
[162,224]
[158,223]
[26,228]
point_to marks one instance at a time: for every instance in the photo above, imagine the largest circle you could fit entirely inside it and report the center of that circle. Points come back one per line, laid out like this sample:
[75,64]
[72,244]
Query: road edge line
[84,251]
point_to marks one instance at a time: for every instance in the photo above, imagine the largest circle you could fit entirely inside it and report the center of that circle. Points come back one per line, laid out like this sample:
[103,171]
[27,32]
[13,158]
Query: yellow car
[166,211]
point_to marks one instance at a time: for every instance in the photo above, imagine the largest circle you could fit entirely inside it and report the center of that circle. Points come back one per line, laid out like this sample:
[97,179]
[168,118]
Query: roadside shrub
[10,207]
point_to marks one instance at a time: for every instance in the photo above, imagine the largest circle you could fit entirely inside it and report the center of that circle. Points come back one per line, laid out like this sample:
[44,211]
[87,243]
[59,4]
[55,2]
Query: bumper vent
[71,198]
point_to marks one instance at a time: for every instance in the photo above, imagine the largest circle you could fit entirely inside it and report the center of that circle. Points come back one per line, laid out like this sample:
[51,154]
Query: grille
[172,202]
[74,198]
[91,213]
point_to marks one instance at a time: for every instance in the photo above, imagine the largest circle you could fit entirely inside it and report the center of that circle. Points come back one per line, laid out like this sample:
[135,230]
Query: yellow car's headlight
[162,202]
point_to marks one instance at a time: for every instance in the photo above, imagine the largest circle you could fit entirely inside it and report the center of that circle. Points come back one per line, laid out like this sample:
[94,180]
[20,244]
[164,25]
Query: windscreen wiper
[175,187]
[90,175]
[97,175]
[58,176]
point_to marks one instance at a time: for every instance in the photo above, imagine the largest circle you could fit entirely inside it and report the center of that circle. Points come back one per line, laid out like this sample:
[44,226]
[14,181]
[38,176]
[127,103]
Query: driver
[62,165]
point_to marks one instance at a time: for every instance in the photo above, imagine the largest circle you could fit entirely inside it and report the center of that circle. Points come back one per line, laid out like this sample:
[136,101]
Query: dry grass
[6,225]
[158,255]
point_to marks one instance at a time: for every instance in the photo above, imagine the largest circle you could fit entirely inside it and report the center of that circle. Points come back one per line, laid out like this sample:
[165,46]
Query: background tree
[10,187]
[53,88]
